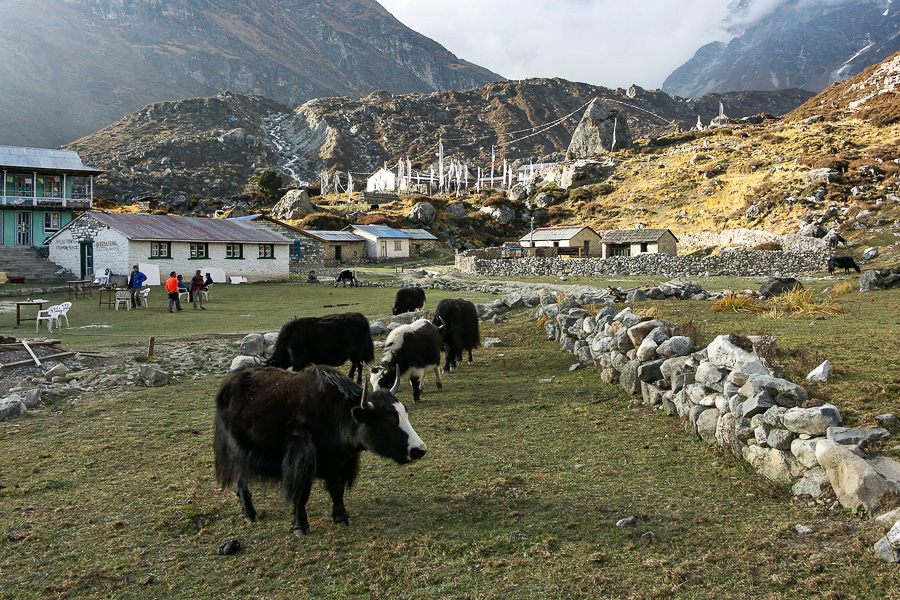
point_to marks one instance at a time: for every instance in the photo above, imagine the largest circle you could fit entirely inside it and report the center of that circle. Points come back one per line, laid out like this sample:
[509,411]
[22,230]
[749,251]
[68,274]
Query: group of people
[174,286]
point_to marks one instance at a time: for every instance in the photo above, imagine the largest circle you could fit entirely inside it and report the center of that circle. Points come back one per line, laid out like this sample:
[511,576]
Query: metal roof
[43,159]
[261,217]
[548,234]
[419,234]
[334,236]
[632,236]
[380,231]
[140,226]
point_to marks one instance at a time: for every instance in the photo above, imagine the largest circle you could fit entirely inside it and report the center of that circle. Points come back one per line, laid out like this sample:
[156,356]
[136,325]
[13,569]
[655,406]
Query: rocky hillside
[799,44]
[70,67]
[215,147]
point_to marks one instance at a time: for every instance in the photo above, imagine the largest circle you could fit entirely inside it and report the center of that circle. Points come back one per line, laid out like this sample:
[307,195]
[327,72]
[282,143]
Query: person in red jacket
[172,288]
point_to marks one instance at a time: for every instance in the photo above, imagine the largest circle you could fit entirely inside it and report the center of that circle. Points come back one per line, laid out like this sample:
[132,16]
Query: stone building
[581,241]
[338,247]
[382,242]
[306,250]
[96,241]
[631,242]
[421,241]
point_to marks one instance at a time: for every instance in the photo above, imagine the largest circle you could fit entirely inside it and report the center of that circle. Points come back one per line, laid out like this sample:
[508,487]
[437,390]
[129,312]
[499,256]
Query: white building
[384,180]
[382,242]
[96,241]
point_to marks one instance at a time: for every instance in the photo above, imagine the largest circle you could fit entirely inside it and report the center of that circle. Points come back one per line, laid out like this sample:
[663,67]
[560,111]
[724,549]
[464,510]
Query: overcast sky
[612,43]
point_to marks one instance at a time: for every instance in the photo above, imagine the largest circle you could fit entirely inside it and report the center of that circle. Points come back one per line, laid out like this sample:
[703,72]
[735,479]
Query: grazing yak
[347,277]
[329,340]
[294,427]
[842,262]
[457,322]
[409,300]
[410,351]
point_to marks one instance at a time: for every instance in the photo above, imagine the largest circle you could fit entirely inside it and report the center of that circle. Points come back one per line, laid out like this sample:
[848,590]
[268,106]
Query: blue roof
[382,231]
[247,218]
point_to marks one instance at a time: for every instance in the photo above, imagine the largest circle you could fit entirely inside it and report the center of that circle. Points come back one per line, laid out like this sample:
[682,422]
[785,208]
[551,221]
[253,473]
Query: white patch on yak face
[414,440]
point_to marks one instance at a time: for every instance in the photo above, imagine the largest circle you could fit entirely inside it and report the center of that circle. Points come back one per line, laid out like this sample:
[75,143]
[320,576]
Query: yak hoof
[254,518]
[344,523]
[301,531]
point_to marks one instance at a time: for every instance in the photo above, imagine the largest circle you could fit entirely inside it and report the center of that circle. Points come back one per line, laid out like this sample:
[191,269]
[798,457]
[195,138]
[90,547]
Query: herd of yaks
[296,419]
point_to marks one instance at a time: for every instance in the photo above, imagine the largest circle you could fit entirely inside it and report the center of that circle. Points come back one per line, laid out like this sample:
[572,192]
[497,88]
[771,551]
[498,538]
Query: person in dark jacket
[197,289]
[135,281]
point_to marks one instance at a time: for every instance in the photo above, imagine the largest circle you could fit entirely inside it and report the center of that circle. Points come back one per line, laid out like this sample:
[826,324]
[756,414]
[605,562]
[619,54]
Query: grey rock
[491,342]
[627,522]
[676,346]
[153,377]
[776,286]
[243,362]
[636,296]
[12,407]
[711,376]
[775,465]
[629,378]
[888,547]
[295,204]
[647,350]
[59,370]
[780,439]
[805,452]
[824,175]
[848,436]
[856,484]
[596,131]
[650,371]
[812,421]
[785,393]
[757,404]
[422,212]
[821,373]
[814,483]
[706,425]
[252,344]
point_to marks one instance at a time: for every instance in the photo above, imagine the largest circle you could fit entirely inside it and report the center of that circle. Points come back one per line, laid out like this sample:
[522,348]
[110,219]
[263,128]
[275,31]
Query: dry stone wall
[735,263]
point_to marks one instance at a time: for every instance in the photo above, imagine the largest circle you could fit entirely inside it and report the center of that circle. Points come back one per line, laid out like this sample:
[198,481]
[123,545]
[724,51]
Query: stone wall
[734,263]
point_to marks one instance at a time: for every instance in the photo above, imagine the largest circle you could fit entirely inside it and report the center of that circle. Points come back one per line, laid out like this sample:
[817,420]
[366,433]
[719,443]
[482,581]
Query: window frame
[199,251]
[49,214]
[163,250]
[266,251]
[230,254]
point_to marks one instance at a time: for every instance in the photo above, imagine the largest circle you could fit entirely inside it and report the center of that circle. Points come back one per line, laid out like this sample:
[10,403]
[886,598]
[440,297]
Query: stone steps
[26,261]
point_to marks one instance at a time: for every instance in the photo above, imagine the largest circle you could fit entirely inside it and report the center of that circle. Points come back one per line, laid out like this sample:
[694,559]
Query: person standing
[197,289]
[135,281]
[172,288]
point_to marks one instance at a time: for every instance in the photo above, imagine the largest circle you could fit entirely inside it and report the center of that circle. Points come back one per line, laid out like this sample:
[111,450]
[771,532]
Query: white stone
[856,484]
[821,373]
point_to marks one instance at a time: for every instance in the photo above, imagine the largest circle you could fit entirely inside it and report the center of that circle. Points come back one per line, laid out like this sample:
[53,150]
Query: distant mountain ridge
[799,44]
[71,67]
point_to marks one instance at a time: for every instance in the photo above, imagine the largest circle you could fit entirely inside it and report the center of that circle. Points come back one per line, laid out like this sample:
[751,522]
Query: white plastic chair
[183,295]
[206,292]
[64,312]
[123,297]
[143,297]
[51,315]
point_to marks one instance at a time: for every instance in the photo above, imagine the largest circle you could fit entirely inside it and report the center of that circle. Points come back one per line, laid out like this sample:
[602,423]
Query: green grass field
[114,496]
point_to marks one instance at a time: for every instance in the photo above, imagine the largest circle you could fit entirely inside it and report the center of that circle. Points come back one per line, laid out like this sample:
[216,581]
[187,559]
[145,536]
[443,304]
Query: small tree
[269,183]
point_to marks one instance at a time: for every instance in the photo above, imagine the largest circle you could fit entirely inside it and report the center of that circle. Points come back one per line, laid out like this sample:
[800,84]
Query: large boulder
[601,129]
[422,212]
[503,215]
[856,484]
[776,286]
[879,280]
[295,204]
[822,176]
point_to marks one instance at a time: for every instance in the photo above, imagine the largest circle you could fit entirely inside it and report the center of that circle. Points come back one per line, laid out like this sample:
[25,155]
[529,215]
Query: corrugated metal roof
[334,236]
[44,159]
[260,217]
[140,226]
[419,234]
[382,231]
[547,234]
[634,236]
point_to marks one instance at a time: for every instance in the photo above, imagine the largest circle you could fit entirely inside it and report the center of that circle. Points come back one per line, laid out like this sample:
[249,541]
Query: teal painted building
[40,190]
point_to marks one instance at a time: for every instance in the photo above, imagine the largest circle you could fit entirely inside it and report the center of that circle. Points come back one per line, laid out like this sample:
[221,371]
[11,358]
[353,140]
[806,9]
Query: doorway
[87,260]
[338,256]
[23,228]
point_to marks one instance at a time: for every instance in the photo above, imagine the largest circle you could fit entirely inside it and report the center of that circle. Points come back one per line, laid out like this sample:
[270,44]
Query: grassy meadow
[114,496]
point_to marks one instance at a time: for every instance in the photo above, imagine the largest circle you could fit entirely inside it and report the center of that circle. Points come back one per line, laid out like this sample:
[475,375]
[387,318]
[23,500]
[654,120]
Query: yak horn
[364,403]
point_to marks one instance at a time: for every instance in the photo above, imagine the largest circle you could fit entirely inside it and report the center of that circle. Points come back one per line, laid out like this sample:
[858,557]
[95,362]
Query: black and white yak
[408,300]
[295,427]
[457,322]
[410,352]
[346,277]
[329,340]
[842,262]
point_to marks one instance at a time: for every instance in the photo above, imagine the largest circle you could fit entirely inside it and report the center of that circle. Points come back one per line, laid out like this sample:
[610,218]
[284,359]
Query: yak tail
[231,461]
[298,468]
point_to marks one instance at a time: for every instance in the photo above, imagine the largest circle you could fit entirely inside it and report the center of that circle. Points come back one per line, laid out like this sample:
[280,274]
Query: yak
[329,340]
[410,352]
[842,262]
[457,322]
[408,300]
[347,277]
[295,427]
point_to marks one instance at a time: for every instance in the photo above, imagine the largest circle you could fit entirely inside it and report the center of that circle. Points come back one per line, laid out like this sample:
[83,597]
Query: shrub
[269,183]
[377,219]
[799,301]
[844,287]
[693,330]
[736,303]
[322,220]
[770,246]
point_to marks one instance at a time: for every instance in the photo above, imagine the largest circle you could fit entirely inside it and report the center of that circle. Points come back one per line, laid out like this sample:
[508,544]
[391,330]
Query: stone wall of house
[110,247]
[486,262]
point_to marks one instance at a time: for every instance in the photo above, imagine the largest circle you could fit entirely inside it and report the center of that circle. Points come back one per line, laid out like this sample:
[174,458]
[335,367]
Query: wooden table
[83,286]
[108,297]
[39,303]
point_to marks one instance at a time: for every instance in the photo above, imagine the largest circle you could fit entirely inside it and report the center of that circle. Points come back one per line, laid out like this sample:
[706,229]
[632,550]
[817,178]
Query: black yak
[842,262]
[347,277]
[329,340]
[409,300]
[457,322]
[295,427]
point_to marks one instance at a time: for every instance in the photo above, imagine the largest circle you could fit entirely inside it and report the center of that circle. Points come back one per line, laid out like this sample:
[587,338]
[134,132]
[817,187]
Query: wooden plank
[37,361]
[18,345]
[23,363]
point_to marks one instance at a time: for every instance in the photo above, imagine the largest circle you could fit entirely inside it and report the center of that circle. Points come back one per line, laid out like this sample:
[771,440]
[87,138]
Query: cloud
[603,42]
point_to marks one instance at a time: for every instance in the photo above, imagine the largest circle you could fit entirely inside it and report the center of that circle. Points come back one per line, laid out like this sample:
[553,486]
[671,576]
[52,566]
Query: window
[297,250]
[234,251]
[51,221]
[620,251]
[398,246]
[199,250]
[267,250]
[23,185]
[52,186]
[160,249]
[643,247]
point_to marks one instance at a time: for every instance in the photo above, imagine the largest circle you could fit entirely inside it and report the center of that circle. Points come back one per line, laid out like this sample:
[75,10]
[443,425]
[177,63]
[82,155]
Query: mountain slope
[95,61]
[212,147]
[800,44]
